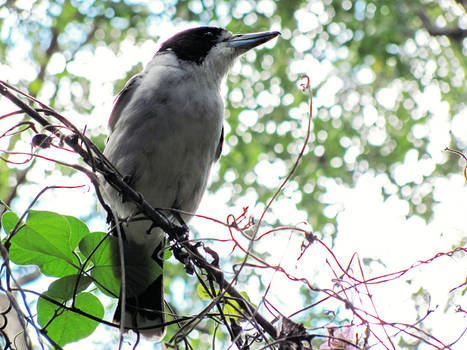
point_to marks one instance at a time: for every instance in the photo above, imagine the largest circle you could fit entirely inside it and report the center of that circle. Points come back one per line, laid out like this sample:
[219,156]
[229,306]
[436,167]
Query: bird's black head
[212,50]
[194,44]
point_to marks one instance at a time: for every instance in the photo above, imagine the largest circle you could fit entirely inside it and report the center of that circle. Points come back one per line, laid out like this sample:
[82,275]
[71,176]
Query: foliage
[50,241]
[367,59]
[383,77]
[62,246]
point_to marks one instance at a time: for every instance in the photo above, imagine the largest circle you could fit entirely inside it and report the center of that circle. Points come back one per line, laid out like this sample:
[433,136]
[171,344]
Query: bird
[166,132]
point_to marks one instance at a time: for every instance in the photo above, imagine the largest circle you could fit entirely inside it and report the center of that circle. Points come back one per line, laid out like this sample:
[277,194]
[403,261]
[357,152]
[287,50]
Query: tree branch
[185,251]
[453,33]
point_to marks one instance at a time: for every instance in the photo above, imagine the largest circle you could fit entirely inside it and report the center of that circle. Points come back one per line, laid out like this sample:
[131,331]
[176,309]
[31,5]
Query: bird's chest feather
[186,130]
[167,144]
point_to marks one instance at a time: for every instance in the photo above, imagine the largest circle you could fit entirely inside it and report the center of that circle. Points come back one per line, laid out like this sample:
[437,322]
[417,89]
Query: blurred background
[389,84]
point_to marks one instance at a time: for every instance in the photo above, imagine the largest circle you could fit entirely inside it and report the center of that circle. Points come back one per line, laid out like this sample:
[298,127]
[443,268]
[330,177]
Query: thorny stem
[94,158]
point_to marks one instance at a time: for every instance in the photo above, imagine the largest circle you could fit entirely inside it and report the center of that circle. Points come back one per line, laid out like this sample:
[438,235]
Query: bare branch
[453,33]
[183,250]
[282,332]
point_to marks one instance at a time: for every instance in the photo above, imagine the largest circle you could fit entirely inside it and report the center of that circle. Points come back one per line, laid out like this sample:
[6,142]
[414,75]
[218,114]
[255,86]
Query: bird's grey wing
[219,146]
[123,98]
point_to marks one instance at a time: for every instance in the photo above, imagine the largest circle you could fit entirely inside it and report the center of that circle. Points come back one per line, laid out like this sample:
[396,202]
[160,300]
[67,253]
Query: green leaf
[47,239]
[78,230]
[203,293]
[64,326]
[9,220]
[64,288]
[104,271]
[63,231]
[246,296]
[229,308]
[233,307]
[140,269]
[167,254]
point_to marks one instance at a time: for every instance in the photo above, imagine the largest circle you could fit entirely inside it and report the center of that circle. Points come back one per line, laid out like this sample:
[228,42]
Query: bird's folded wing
[123,98]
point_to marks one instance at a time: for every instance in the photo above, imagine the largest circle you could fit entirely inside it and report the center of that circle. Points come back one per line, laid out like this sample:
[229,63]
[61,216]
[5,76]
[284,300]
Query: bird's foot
[129,180]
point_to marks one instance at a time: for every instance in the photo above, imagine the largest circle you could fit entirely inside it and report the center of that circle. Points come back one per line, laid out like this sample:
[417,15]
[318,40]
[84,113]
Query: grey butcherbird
[166,132]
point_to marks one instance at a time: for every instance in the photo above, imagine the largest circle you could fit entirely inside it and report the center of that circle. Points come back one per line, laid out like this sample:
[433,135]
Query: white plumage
[166,132]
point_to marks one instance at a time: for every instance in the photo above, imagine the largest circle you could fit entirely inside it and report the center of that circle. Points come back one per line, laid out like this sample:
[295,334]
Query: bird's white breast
[165,139]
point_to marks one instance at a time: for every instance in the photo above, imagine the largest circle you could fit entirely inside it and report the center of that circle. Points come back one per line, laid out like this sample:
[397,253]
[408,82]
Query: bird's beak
[244,42]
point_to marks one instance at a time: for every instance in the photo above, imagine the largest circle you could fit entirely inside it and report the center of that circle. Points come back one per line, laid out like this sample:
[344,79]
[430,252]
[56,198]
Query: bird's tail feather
[144,313]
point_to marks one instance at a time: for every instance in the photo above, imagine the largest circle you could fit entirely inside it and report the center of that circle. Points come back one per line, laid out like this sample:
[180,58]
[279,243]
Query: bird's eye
[208,34]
